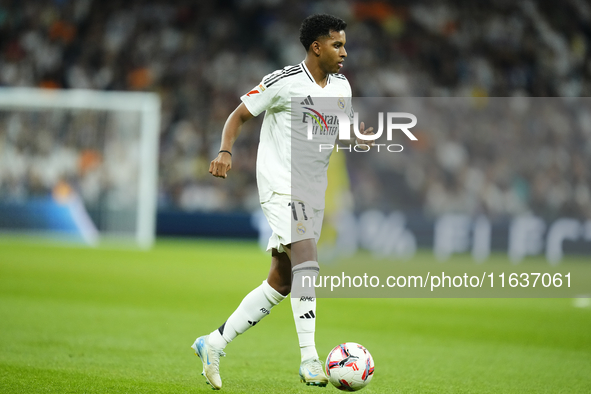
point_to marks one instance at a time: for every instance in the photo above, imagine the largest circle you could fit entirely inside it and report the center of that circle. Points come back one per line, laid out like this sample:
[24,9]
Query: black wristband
[227,151]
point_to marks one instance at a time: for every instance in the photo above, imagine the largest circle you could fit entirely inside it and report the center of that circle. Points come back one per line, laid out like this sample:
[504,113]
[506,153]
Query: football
[349,366]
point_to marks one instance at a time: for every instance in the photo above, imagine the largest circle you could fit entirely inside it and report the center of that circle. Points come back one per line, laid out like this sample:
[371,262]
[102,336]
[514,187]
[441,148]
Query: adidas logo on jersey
[309,315]
[307,101]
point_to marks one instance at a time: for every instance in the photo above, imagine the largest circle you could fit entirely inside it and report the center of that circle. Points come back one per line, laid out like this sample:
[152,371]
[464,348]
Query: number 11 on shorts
[293,205]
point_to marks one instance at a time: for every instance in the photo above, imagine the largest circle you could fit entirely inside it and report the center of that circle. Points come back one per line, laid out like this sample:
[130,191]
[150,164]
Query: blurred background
[200,57]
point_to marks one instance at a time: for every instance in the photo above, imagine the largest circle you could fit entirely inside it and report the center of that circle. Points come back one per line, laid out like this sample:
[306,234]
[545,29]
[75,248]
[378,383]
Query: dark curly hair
[319,25]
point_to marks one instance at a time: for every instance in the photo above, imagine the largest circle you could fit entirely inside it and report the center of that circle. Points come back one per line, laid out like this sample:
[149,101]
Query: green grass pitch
[77,320]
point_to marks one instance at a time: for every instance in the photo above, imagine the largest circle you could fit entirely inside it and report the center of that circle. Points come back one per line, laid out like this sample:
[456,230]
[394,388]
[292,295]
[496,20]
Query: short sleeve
[261,98]
[349,109]
[349,104]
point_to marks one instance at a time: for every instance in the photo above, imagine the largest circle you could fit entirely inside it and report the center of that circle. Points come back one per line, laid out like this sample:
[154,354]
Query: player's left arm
[355,140]
[362,131]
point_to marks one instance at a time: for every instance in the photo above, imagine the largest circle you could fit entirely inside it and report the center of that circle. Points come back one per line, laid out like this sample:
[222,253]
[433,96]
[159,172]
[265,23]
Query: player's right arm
[259,99]
[220,166]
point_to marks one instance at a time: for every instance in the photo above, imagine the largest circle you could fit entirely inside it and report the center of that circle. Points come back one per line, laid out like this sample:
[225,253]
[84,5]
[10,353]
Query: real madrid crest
[341,102]
[301,229]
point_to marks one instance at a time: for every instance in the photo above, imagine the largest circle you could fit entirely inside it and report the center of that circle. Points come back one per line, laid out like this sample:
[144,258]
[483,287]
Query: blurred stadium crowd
[200,57]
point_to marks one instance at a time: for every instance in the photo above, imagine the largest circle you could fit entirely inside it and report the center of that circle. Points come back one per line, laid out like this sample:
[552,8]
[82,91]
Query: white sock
[255,306]
[303,305]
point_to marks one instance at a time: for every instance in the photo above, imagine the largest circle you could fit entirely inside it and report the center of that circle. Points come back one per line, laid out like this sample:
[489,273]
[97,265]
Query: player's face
[332,51]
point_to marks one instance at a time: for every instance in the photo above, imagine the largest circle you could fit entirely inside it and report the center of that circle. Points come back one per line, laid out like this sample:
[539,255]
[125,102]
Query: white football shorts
[291,221]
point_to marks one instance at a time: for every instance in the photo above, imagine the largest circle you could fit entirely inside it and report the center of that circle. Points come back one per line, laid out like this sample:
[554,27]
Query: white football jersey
[288,162]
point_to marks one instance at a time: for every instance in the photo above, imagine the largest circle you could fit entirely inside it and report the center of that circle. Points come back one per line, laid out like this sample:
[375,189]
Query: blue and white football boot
[312,373]
[210,357]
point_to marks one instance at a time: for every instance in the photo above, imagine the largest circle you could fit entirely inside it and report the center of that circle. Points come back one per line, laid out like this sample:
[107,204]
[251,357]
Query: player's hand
[220,166]
[363,131]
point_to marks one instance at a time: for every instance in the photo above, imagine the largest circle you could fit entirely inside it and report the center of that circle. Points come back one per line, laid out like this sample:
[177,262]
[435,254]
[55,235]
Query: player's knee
[284,289]
[279,285]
